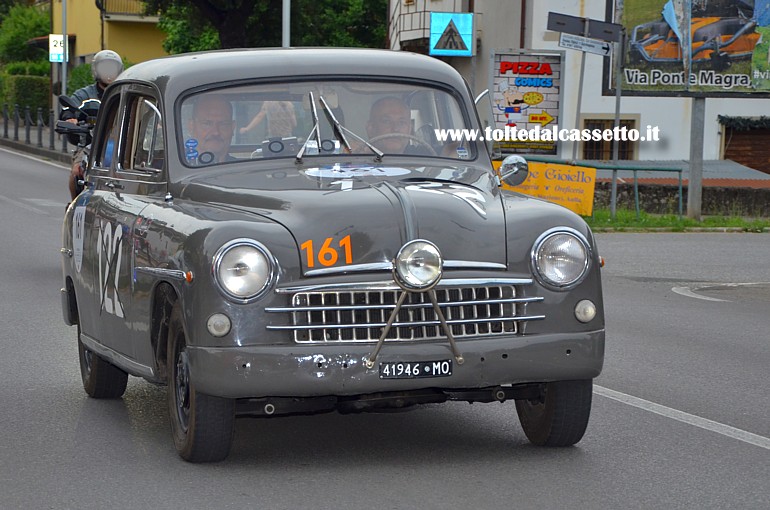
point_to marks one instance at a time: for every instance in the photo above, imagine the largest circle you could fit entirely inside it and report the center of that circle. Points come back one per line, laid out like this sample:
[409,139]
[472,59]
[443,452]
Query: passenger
[281,119]
[212,127]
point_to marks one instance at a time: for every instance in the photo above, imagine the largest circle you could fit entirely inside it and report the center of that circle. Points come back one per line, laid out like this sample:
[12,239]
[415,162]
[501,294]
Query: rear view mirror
[486,111]
[514,170]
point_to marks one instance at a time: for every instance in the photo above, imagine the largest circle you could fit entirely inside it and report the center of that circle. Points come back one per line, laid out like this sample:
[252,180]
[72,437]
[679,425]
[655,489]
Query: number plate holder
[415,369]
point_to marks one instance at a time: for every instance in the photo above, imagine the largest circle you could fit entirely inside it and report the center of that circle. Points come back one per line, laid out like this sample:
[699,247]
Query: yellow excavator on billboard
[721,32]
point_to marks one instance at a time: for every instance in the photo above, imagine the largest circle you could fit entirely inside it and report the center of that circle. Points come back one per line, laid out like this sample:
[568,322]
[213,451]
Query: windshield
[350,117]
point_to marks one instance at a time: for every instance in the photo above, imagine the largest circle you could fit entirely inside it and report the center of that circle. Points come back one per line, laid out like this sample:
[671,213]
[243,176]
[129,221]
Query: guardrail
[18,117]
[619,167]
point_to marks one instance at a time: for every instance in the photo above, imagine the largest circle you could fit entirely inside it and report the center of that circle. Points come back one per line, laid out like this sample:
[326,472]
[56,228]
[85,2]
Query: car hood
[379,207]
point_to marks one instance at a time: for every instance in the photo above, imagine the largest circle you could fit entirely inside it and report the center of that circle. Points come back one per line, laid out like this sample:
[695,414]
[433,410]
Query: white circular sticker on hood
[343,171]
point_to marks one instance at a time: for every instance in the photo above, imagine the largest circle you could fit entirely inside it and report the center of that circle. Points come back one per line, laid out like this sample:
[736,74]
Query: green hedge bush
[79,77]
[32,91]
[33,68]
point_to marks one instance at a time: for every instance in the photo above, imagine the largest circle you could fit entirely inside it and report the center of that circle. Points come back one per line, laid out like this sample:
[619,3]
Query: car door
[88,232]
[133,176]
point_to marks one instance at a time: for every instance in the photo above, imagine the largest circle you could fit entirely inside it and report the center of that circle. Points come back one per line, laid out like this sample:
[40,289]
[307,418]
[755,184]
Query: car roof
[175,74]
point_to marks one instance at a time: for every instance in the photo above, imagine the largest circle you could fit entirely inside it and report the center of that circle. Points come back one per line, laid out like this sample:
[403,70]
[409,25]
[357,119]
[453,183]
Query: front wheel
[560,416]
[101,379]
[202,425]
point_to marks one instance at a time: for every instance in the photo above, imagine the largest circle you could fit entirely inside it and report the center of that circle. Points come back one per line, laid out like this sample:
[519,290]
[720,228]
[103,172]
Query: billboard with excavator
[694,47]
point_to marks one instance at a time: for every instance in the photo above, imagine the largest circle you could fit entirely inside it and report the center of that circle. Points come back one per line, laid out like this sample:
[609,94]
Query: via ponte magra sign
[699,49]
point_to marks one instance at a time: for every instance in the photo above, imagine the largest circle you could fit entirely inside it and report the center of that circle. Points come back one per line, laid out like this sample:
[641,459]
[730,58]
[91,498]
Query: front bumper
[321,370]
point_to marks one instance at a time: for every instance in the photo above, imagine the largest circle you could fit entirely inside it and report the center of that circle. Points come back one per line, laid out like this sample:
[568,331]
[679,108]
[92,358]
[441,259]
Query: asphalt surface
[681,415]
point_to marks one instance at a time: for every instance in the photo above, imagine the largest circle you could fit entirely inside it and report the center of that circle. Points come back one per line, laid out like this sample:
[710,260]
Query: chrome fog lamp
[418,265]
[585,310]
[218,325]
[243,269]
[560,258]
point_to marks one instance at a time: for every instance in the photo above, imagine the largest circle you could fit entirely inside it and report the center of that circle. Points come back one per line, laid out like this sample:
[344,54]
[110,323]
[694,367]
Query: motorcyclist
[105,67]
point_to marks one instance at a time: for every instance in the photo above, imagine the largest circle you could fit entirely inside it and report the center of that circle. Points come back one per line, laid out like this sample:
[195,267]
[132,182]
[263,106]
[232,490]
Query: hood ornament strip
[369,361]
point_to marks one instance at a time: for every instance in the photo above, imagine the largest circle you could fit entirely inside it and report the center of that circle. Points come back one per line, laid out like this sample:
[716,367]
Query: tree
[192,25]
[5,6]
[186,33]
[21,24]
[340,23]
[233,20]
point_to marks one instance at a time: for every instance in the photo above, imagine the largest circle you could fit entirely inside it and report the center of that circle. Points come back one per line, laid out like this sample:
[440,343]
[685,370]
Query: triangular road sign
[451,39]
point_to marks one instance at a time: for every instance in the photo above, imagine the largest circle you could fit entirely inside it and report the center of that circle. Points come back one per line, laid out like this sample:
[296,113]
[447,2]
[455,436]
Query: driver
[391,116]
[212,126]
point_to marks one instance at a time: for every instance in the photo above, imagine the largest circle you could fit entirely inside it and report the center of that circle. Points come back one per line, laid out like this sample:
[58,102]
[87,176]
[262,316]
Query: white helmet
[106,66]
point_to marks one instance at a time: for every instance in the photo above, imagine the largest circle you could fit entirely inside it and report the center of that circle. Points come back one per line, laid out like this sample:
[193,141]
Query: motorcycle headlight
[560,258]
[243,269]
[418,265]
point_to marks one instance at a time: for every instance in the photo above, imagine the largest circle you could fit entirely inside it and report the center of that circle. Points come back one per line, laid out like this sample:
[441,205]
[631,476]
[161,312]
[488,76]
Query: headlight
[243,269]
[418,265]
[560,258]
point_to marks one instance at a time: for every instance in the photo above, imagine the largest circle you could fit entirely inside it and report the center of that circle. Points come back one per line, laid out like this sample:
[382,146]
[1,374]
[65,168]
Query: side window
[108,145]
[145,147]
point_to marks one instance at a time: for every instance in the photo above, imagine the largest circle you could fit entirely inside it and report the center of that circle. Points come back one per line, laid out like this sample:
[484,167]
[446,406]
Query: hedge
[32,91]
[34,68]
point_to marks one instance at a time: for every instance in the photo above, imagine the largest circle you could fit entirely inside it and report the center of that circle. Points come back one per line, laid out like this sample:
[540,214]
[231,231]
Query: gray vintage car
[272,232]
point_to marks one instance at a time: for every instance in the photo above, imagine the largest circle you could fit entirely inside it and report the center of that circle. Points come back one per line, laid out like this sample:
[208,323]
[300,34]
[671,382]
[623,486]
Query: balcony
[410,21]
[125,10]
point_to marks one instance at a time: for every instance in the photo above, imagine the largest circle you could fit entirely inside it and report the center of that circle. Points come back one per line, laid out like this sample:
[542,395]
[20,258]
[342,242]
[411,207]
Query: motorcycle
[79,134]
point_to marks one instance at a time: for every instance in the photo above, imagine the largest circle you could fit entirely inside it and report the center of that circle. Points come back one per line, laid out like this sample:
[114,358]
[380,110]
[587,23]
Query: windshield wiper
[340,130]
[316,129]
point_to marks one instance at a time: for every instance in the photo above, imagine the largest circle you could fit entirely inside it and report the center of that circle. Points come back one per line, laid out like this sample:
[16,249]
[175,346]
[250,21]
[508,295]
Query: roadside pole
[695,184]
[286,24]
[580,93]
[64,47]
[616,146]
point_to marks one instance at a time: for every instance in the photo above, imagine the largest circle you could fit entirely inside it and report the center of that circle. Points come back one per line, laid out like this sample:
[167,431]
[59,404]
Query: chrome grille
[360,315]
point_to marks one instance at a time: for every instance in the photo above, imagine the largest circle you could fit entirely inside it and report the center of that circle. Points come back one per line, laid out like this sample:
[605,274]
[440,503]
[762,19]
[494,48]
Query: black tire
[560,417]
[202,425]
[101,379]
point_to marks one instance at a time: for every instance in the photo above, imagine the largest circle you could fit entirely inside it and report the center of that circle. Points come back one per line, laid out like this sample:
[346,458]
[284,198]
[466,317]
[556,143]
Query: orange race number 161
[328,256]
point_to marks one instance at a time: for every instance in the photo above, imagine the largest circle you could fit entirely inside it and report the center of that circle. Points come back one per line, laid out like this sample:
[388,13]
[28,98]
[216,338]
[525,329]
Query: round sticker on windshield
[342,171]
[206,158]
[191,143]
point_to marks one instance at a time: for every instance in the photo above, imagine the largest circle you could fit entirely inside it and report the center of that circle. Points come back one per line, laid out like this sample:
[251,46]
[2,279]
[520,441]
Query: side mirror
[514,170]
[67,102]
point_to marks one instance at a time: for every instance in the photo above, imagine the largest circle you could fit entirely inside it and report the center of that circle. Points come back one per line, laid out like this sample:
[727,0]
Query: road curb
[694,230]
[63,157]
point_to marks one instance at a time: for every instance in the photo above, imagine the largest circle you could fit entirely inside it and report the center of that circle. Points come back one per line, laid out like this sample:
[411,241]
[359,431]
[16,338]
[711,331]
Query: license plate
[415,369]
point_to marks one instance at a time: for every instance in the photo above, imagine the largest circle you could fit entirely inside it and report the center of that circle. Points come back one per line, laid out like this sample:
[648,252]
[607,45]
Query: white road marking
[690,291]
[687,292]
[44,202]
[690,419]
[23,206]
[36,158]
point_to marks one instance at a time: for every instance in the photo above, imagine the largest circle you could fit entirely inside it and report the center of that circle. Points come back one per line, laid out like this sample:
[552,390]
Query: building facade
[522,24]
[118,25]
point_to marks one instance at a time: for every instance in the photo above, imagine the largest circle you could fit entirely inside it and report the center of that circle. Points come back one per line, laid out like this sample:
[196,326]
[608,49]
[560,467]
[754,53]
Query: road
[681,415]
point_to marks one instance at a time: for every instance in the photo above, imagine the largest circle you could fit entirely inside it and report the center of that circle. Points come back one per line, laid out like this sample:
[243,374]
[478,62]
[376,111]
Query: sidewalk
[39,147]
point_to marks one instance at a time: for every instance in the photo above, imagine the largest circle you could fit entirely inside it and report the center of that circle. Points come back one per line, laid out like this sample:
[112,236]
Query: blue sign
[451,34]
